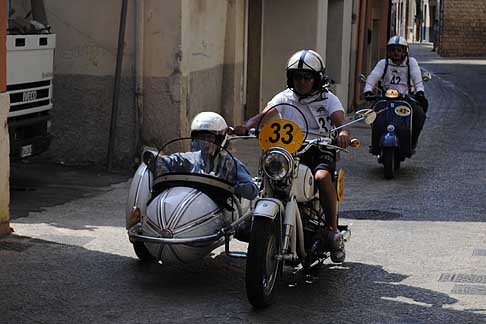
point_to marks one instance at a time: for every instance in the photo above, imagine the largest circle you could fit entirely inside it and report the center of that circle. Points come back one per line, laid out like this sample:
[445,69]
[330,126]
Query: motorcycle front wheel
[262,267]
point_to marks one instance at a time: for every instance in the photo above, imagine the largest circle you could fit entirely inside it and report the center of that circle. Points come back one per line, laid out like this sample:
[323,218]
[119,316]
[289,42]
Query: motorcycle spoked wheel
[389,162]
[262,268]
[142,253]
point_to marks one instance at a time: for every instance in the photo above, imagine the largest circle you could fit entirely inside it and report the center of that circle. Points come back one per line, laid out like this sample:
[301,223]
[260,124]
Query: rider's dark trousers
[418,121]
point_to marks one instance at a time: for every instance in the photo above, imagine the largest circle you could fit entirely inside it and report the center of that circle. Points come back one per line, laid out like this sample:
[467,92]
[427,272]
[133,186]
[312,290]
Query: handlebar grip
[355,143]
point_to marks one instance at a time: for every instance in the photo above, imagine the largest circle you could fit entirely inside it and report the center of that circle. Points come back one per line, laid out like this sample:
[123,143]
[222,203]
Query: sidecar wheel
[389,163]
[262,267]
[142,253]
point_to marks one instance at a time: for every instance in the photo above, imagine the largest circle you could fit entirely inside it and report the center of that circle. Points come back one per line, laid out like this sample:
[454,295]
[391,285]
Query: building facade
[462,28]
[184,57]
[456,27]
[180,58]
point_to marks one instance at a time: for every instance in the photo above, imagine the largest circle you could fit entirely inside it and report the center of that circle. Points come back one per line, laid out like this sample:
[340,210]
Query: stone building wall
[463,28]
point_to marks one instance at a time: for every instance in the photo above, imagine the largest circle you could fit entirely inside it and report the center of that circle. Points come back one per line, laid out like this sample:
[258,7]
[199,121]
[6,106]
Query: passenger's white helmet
[398,40]
[306,60]
[210,122]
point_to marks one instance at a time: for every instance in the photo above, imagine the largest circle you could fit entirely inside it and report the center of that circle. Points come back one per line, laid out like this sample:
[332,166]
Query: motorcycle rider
[307,90]
[209,134]
[402,72]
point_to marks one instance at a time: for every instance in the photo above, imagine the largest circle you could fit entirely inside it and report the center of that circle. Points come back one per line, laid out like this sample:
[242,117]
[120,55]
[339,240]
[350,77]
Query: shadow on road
[56,283]
[36,185]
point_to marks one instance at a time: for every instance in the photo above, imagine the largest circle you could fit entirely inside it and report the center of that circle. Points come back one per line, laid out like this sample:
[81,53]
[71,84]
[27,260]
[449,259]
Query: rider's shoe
[338,253]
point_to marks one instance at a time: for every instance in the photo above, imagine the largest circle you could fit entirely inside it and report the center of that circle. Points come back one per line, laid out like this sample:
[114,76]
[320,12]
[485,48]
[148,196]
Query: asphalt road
[417,253]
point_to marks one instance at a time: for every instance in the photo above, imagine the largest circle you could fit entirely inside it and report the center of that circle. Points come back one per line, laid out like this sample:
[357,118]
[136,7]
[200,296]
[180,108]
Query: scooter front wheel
[389,162]
[262,266]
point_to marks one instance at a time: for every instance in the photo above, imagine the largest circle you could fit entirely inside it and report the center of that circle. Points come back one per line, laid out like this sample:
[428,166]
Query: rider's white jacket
[396,76]
[317,109]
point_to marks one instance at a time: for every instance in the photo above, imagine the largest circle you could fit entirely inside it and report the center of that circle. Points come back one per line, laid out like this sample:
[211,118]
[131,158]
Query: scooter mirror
[426,76]
[362,77]
[370,118]
[368,115]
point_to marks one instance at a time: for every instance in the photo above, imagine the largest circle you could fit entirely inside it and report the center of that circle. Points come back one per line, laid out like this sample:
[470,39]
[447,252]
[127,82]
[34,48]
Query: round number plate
[282,133]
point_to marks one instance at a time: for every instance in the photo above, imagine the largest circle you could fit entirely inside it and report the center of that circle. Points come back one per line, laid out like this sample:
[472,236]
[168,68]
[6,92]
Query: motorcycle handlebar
[355,143]
[402,96]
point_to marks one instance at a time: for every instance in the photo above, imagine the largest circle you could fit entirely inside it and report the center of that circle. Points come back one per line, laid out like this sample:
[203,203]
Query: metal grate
[479,252]
[464,278]
[469,290]
[14,246]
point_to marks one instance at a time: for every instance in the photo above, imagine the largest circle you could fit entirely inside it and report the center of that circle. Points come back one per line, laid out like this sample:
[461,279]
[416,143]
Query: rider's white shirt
[316,109]
[396,76]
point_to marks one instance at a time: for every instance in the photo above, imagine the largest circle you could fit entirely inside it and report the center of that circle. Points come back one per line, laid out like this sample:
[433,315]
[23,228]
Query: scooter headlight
[390,128]
[277,163]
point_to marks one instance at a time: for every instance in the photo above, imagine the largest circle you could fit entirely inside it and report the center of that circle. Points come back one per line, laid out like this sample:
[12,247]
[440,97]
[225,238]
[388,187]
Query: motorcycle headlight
[277,163]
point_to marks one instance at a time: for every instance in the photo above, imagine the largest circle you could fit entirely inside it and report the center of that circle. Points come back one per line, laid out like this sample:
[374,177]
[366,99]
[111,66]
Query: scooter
[391,133]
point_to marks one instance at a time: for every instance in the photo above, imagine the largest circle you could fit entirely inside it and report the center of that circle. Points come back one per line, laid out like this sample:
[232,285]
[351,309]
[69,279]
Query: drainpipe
[139,31]
[388,22]
[360,56]
[116,87]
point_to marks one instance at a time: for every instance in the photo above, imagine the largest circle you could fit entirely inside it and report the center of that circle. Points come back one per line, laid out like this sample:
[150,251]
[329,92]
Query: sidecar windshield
[203,157]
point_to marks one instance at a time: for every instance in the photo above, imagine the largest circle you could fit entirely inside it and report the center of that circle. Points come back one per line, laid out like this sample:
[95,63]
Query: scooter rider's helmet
[397,43]
[212,124]
[308,61]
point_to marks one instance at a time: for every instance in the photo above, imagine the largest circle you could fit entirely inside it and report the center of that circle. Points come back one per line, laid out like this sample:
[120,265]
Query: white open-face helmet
[397,48]
[210,122]
[306,60]
[398,40]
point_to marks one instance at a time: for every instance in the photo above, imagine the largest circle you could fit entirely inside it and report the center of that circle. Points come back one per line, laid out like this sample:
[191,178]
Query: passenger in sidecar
[208,134]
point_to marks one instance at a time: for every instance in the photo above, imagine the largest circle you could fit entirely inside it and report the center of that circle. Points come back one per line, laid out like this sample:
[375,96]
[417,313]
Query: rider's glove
[368,95]
[420,96]
[240,130]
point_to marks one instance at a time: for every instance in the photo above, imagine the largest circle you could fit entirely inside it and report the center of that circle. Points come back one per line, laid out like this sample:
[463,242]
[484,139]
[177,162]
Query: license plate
[26,151]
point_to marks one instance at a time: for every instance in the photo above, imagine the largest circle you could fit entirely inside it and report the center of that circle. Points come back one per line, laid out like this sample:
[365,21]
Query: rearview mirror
[426,76]
[148,157]
[368,115]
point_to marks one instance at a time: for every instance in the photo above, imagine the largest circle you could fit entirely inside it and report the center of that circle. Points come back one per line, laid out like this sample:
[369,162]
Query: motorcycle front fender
[389,140]
[268,208]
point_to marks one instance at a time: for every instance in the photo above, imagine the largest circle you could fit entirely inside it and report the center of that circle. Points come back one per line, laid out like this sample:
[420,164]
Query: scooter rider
[401,72]
[209,134]
[323,110]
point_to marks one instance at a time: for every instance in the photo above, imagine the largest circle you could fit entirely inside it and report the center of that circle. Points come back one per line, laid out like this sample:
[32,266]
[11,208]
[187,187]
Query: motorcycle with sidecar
[182,214]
